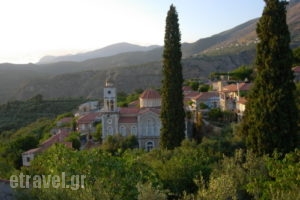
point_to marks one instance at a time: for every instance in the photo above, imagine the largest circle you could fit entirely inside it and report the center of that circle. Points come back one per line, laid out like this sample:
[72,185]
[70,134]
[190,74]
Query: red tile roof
[129,110]
[89,118]
[206,95]
[58,138]
[245,86]
[128,120]
[192,94]
[296,69]
[35,150]
[150,94]
[233,87]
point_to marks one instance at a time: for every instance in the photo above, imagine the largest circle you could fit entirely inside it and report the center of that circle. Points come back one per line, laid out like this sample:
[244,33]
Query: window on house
[133,130]
[123,130]
[150,127]
[149,145]
[109,130]
[27,159]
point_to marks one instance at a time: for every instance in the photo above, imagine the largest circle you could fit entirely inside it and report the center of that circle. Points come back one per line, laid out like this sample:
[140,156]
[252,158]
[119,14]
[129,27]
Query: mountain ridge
[106,51]
[221,52]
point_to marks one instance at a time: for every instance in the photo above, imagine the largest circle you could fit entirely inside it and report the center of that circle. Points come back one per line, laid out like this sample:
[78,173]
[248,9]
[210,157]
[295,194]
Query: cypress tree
[172,111]
[270,120]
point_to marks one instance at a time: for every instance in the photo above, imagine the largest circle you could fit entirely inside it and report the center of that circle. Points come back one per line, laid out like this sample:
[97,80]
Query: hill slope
[221,52]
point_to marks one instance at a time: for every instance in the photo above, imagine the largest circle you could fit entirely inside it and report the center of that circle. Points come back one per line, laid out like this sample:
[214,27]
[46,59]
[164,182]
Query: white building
[230,95]
[88,106]
[142,121]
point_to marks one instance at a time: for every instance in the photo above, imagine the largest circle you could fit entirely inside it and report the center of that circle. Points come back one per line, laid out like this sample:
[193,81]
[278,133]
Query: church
[142,120]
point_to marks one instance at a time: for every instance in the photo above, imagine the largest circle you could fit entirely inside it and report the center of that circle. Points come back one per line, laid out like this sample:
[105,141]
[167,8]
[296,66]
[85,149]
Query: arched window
[133,130]
[112,105]
[150,127]
[149,145]
[123,130]
[109,130]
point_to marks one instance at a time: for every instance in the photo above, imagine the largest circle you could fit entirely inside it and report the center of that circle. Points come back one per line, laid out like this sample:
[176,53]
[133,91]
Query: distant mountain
[242,37]
[110,50]
[136,69]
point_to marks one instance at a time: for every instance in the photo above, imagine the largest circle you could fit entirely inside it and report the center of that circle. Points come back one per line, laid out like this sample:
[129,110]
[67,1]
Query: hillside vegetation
[17,114]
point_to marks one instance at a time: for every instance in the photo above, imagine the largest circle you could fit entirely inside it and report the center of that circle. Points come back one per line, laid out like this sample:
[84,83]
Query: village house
[88,106]
[189,98]
[211,99]
[240,108]
[59,137]
[230,95]
[86,123]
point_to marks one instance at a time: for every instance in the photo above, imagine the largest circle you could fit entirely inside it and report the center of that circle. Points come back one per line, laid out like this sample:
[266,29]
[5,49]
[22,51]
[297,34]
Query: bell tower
[110,97]
[110,112]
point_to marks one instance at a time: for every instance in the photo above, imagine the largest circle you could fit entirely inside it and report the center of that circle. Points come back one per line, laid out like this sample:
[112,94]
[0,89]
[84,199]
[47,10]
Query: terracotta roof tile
[35,150]
[150,94]
[88,118]
[129,110]
[206,95]
[245,86]
[128,120]
[59,137]
[191,94]
[233,87]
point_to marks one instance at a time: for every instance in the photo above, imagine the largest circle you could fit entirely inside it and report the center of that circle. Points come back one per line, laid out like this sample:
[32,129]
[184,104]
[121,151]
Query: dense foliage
[116,144]
[172,111]
[270,120]
[188,172]
[125,99]
[242,73]
[13,144]
[16,114]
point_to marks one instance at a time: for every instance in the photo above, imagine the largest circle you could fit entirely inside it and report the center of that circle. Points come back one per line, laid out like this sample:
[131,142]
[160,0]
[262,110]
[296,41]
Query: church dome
[150,98]
[150,94]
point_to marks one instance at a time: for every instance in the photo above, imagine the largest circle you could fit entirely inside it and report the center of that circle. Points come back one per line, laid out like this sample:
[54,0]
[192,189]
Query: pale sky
[31,29]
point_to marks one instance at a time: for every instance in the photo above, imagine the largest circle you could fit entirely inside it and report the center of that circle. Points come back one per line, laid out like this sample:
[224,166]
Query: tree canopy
[172,111]
[270,120]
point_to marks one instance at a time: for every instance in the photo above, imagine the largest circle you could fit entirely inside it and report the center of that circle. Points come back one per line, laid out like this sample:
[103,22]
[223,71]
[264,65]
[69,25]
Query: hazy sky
[31,29]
